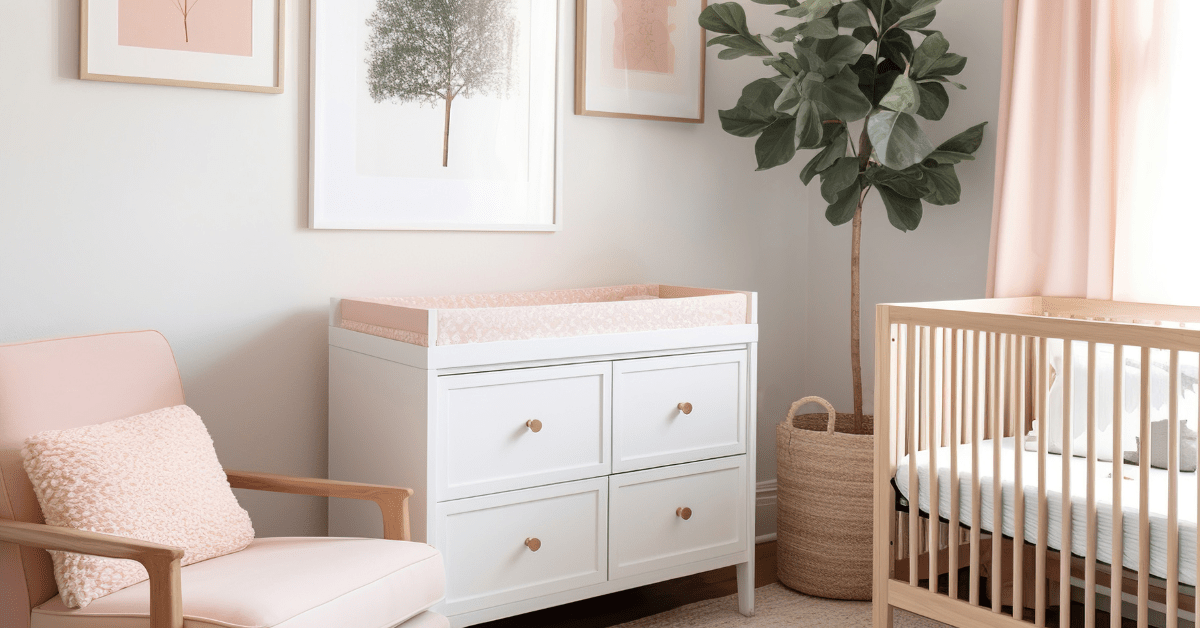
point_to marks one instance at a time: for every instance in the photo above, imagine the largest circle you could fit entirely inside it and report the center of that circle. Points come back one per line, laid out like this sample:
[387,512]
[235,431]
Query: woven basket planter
[826,481]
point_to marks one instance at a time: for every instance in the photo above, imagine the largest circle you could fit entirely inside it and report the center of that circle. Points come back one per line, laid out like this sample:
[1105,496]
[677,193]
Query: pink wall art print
[640,59]
[212,26]
[642,36]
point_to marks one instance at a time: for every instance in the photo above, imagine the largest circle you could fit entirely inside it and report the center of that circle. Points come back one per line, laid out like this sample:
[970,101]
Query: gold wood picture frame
[235,45]
[641,59]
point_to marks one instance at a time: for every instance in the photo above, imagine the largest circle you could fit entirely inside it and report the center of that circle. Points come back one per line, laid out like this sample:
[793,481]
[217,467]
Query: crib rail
[959,386]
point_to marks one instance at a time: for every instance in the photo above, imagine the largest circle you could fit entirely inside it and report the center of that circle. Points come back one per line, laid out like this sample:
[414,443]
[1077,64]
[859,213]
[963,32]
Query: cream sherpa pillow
[153,477]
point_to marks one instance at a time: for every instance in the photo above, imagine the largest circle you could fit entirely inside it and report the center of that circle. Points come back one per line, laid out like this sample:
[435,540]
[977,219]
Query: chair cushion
[283,583]
[153,477]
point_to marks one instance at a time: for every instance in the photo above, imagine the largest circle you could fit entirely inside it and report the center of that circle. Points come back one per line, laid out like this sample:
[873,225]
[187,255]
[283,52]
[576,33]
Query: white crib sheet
[1129,503]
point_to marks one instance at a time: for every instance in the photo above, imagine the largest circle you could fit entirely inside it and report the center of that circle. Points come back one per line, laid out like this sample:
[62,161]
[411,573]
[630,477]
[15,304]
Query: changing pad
[463,319]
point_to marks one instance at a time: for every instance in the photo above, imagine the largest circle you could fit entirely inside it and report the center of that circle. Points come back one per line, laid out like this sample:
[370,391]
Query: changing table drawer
[513,429]
[523,544]
[678,409]
[677,515]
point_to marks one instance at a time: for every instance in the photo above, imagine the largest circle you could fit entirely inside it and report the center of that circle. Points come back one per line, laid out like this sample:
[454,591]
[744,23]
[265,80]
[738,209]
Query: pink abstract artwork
[212,26]
[642,40]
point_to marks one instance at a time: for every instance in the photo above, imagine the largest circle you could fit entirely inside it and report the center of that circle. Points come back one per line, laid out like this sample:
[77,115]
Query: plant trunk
[864,156]
[185,31]
[446,133]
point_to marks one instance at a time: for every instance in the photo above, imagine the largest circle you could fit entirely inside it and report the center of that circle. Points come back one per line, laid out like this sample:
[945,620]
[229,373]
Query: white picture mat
[342,198]
[105,56]
[612,90]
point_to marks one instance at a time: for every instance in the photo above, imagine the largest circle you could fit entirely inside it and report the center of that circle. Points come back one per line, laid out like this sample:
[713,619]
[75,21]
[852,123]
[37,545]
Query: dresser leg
[745,583]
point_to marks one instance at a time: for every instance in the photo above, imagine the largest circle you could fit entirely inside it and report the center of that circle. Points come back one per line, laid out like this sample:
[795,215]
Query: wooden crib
[967,380]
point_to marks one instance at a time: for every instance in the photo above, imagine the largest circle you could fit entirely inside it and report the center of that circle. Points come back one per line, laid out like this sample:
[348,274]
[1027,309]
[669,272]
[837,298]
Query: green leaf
[808,125]
[824,159]
[966,142]
[819,29]
[946,188]
[813,9]
[915,18]
[942,157]
[838,177]
[904,213]
[755,109]
[876,9]
[806,54]
[947,65]
[942,79]
[841,96]
[841,209]
[917,23]
[934,101]
[896,45]
[910,182]
[865,34]
[837,53]
[777,144]
[740,45]
[789,97]
[904,96]
[782,35]
[853,15]
[790,3]
[898,139]
[930,50]
[725,17]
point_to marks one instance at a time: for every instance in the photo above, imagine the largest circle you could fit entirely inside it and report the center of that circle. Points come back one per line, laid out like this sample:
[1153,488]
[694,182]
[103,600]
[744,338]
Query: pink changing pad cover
[474,318]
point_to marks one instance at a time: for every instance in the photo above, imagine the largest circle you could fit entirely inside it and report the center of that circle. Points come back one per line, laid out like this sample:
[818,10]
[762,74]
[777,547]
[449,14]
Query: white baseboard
[765,500]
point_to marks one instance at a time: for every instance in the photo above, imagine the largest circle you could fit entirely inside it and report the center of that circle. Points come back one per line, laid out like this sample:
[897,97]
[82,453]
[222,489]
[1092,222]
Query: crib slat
[995,409]
[1144,453]
[976,426]
[1089,569]
[932,390]
[1118,536]
[914,489]
[1043,532]
[1068,431]
[894,364]
[1020,346]
[956,405]
[1173,495]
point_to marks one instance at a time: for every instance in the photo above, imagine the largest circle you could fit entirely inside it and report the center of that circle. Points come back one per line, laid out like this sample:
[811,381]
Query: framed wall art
[214,44]
[437,115]
[640,59]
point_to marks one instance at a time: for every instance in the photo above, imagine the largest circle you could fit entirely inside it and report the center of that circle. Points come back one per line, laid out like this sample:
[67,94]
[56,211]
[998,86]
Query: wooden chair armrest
[160,561]
[392,500]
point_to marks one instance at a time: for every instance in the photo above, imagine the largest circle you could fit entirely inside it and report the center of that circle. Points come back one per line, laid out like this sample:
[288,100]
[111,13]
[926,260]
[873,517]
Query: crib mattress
[1054,497]
[464,319]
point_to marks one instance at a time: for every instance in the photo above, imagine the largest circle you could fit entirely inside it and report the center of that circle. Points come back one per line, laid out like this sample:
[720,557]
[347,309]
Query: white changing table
[549,470]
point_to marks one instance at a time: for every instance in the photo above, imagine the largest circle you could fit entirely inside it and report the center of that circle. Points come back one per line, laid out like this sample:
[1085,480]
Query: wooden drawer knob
[683,513]
[685,407]
[534,426]
[533,544]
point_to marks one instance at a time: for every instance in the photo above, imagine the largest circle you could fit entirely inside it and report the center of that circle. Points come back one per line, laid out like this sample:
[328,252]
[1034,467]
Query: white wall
[184,210]
[945,258]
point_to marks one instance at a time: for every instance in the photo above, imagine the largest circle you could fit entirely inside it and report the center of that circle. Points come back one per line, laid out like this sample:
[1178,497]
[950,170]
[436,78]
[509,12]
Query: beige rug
[775,606]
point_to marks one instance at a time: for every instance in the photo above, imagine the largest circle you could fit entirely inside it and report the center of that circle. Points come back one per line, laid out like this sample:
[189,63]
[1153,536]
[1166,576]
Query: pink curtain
[1081,139]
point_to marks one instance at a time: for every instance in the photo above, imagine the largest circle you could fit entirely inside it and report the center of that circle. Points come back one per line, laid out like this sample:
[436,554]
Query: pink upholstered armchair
[273,583]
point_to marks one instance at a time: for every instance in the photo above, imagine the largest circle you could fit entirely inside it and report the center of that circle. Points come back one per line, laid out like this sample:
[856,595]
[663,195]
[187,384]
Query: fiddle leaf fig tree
[851,62]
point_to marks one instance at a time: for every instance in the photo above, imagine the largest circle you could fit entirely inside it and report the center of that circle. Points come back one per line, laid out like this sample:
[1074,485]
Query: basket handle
[814,399]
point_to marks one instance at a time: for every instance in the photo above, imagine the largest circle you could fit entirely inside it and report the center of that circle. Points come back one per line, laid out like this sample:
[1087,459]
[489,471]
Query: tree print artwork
[185,7]
[433,51]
